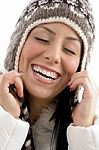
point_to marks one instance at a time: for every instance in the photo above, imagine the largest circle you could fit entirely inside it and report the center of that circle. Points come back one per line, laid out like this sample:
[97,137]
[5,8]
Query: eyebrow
[49,30]
[67,38]
[73,39]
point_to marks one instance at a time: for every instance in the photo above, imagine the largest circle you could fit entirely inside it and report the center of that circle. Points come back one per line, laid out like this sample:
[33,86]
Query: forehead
[56,28]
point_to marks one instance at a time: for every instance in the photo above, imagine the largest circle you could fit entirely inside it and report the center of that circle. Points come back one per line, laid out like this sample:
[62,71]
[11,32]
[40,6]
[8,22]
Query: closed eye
[70,52]
[42,39]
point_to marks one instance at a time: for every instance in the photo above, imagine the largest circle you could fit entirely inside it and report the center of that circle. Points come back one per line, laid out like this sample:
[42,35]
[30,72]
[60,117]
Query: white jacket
[13,133]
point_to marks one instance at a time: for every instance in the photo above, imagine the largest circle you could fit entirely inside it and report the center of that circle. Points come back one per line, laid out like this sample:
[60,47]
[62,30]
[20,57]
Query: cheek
[32,50]
[29,52]
[74,65]
[71,65]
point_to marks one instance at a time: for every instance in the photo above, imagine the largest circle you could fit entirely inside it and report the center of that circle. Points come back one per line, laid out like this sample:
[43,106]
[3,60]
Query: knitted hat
[75,13]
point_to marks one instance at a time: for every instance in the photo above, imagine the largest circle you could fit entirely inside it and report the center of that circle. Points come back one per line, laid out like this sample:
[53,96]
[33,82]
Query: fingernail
[21,99]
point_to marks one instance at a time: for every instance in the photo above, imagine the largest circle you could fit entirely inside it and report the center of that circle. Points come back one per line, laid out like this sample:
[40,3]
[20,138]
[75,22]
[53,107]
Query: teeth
[48,74]
[45,77]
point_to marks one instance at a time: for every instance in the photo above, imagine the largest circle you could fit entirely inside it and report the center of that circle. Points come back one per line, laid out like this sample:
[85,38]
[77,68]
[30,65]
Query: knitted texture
[75,13]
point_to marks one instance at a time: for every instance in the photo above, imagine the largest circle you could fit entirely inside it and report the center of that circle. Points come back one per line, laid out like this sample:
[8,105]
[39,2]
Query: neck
[36,106]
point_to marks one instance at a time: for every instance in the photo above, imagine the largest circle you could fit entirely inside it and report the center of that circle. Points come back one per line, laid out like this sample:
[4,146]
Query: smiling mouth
[44,73]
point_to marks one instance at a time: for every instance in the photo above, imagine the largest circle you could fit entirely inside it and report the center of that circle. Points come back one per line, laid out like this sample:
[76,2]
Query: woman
[46,67]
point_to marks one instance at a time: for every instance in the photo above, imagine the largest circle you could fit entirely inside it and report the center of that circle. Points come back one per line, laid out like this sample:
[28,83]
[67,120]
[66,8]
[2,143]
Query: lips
[45,73]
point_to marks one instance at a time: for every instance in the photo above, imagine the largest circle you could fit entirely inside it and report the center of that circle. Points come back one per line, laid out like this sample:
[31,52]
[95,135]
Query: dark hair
[63,118]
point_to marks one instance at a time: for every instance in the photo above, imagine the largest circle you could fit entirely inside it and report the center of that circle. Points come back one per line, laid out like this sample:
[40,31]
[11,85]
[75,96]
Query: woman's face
[49,58]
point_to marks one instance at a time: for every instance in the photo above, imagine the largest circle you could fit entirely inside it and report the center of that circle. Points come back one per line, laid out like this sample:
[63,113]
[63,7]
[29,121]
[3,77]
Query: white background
[10,11]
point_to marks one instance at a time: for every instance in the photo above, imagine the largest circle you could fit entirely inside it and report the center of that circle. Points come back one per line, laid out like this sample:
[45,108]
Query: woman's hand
[84,113]
[9,100]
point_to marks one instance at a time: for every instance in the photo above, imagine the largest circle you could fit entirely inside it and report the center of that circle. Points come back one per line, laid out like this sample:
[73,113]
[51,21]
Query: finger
[85,75]
[19,86]
[88,90]
[84,82]
[9,78]
[78,75]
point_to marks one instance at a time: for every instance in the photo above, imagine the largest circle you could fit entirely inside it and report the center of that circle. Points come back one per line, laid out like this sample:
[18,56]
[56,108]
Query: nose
[53,54]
